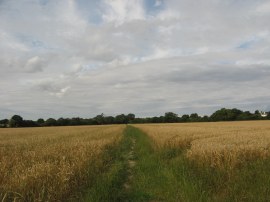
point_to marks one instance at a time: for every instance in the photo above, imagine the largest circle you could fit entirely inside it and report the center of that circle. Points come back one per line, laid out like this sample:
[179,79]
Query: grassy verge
[161,176]
[166,175]
[108,183]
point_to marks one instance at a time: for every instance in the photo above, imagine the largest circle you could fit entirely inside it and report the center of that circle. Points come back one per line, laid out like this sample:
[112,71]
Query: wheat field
[48,164]
[216,144]
[58,163]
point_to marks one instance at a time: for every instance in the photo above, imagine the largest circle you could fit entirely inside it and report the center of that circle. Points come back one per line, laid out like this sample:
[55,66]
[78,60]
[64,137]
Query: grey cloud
[220,74]
[34,64]
[183,58]
[57,87]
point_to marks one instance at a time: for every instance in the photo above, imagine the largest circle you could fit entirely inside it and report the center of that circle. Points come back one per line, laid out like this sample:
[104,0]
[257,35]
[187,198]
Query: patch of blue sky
[225,62]
[90,10]
[33,42]
[92,66]
[43,2]
[248,43]
[154,6]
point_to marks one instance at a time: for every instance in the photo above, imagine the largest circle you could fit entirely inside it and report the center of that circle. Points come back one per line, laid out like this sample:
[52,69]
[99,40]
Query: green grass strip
[161,176]
[108,185]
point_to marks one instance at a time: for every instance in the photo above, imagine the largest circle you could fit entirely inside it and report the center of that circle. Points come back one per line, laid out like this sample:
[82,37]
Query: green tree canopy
[171,117]
[50,122]
[16,121]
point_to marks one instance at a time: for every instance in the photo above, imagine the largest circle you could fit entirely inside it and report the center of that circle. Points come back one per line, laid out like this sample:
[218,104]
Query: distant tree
[109,120]
[50,122]
[245,116]
[16,121]
[257,115]
[40,122]
[205,118]
[235,113]
[29,123]
[62,122]
[139,120]
[89,121]
[4,123]
[194,117]
[130,117]
[75,121]
[185,118]
[12,123]
[170,117]
[156,120]
[268,115]
[99,119]
[162,119]
[83,122]
[121,119]
[226,114]
[219,115]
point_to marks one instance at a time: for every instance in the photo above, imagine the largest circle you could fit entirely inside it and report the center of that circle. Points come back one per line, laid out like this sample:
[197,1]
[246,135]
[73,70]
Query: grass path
[131,163]
[159,176]
[110,184]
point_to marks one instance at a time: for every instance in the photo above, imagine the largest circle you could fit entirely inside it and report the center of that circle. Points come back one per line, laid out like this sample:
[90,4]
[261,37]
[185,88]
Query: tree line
[169,117]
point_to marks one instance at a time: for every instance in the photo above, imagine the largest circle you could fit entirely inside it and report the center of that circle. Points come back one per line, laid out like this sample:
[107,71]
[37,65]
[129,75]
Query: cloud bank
[82,58]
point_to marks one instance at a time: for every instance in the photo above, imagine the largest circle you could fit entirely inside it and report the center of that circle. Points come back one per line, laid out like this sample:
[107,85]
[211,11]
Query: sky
[70,58]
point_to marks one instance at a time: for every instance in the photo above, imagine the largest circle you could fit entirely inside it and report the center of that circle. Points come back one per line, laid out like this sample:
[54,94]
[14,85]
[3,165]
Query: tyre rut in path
[131,163]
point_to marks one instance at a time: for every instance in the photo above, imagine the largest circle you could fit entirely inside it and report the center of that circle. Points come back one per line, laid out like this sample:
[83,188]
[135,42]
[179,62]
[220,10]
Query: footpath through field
[142,172]
[157,175]
[131,163]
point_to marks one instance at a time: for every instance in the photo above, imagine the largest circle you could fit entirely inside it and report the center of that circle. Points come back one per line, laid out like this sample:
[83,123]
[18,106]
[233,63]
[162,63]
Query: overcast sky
[68,58]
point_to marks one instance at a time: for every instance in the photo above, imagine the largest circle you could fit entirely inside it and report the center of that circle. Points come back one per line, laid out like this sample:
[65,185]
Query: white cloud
[10,44]
[264,8]
[169,14]
[121,11]
[254,63]
[62,92]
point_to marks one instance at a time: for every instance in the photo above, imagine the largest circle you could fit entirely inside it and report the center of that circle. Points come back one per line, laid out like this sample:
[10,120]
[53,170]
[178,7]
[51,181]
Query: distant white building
[263,114]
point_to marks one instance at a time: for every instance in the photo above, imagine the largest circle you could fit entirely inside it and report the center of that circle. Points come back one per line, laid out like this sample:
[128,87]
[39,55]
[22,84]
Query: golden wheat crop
[50,163]
[215,144]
